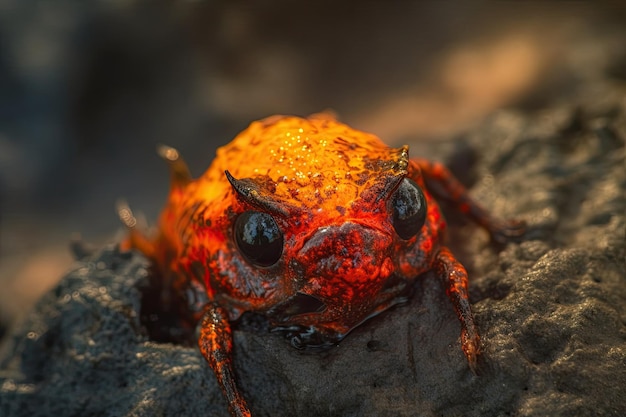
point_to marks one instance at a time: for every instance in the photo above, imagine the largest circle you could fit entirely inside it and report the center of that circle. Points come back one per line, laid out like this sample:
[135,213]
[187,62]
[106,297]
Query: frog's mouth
[301,318]
[286,314]
[299,304]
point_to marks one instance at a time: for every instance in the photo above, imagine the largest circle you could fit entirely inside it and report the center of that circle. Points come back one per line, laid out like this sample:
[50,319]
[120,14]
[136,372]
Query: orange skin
[330,190]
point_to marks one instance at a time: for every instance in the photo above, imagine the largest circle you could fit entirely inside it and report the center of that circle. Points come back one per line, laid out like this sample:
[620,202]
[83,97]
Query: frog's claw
[216,344]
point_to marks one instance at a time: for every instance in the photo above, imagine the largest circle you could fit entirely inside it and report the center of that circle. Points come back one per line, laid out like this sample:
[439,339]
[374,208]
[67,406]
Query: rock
[551,309]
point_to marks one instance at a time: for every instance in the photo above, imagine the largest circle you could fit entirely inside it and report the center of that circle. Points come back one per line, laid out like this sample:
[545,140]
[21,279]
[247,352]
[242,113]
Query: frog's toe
[470,343]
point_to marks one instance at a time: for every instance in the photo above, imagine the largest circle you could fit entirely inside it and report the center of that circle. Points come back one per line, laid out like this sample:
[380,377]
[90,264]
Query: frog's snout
[349,250]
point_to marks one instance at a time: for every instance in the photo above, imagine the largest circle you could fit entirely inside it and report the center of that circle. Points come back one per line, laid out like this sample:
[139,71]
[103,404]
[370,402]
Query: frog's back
[304,161]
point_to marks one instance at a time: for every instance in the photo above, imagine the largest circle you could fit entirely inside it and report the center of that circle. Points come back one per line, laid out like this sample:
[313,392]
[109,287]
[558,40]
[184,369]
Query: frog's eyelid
[392,185]
[252,194]
[398,173]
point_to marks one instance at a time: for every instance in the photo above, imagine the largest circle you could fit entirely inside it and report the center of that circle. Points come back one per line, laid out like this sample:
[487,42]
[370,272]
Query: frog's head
[327,262]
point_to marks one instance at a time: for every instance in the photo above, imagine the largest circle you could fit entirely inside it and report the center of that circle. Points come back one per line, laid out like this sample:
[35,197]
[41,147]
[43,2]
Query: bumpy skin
[330,189]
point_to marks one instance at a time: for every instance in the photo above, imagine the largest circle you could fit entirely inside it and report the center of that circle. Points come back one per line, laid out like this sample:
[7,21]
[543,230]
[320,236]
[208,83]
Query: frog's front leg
[440,181]
[454,278]
[216,345]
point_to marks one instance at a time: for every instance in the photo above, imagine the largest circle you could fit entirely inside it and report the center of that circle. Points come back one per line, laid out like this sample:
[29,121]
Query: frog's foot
[454,278]
[216,344]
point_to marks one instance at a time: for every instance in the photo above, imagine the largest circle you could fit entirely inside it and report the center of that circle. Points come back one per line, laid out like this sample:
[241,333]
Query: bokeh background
[88,88]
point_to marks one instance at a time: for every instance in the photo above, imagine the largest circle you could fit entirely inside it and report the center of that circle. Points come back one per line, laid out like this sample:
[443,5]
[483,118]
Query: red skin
[328,188]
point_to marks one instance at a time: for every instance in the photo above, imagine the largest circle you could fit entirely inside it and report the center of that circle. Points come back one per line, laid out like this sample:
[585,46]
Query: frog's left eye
[258,238]
[408,209]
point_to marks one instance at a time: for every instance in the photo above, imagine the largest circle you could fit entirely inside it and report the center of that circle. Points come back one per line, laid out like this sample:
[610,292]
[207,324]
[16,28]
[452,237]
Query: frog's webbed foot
[454,278]
[216,345]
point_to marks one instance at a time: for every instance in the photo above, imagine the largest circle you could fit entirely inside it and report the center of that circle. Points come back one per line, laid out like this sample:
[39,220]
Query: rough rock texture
[551,310]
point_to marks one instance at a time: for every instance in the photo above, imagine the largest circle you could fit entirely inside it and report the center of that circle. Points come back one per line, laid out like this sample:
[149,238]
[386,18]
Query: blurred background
[88,88]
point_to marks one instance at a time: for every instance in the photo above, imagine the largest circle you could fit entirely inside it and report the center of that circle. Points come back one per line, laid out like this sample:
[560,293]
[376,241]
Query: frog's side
[312,223]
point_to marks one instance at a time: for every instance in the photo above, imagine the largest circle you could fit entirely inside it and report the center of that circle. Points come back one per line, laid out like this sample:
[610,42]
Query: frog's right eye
[408,209]
[258,238]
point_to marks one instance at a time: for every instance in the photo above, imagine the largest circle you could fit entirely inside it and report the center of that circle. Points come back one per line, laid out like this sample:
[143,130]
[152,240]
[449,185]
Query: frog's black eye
[408,209]
[258,238]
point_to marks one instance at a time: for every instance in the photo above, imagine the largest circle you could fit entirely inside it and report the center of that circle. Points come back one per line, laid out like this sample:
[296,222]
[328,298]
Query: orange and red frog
[314,224]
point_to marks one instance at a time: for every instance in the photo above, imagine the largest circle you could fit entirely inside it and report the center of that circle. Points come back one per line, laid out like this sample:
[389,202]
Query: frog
[312,224]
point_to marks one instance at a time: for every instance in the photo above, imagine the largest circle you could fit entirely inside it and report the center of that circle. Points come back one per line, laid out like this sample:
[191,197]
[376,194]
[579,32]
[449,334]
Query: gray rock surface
[551,310]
